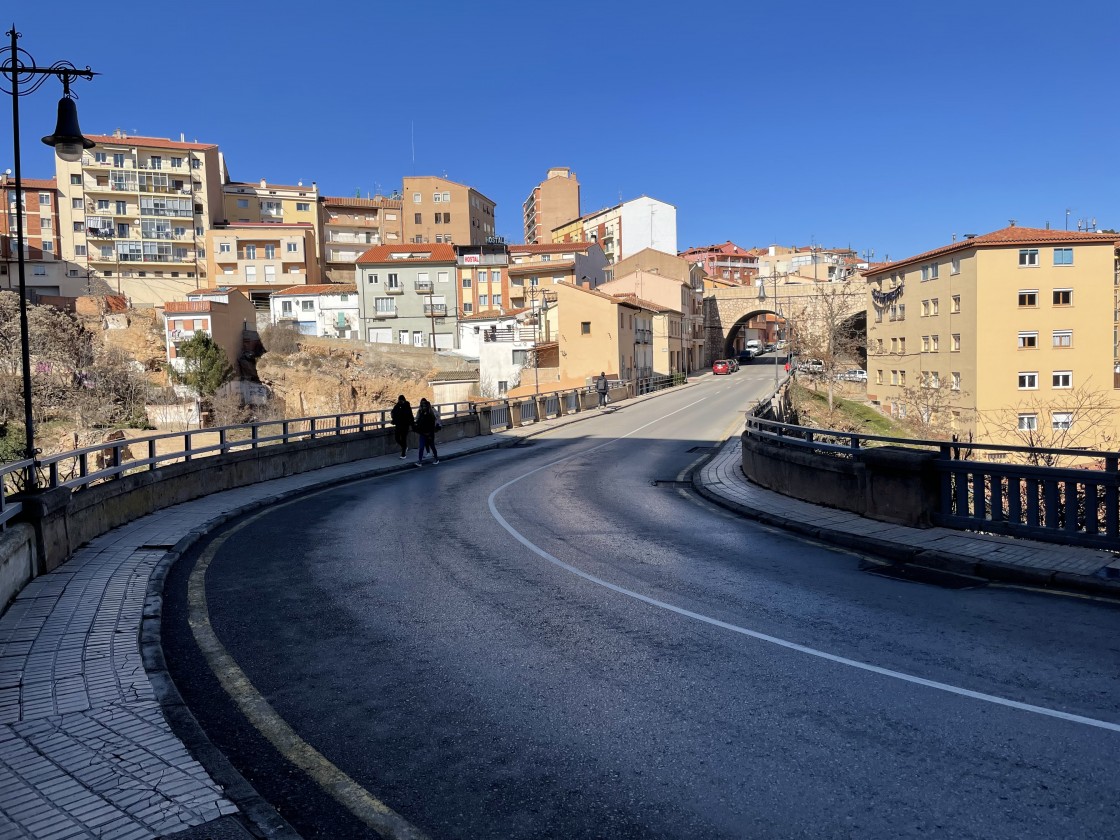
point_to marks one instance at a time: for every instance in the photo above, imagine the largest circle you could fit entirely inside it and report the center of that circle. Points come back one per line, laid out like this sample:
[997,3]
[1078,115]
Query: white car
[856,375]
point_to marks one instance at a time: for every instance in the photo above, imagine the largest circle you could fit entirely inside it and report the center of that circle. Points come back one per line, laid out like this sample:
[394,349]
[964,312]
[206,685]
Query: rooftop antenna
[414,146]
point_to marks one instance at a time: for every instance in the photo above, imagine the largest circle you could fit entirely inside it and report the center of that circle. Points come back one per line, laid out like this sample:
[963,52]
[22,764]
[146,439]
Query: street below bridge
[559,640]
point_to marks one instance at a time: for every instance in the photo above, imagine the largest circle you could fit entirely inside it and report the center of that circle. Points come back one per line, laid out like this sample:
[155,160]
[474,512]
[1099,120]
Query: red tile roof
[183,306]
[550,248]
[383,254]
[32,184]
[1004,237]
[542,267]
[146,142]
[319,289]
[342,201]
[645,304]
[268,185]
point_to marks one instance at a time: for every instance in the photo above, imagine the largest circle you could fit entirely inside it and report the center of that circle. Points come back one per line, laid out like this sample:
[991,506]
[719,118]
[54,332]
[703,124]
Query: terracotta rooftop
[1004,237]
[256,185]
[645,304]
[175,306]
[320,289]
[454,376]
[31,183]
[542,267]
[342,201]
[148,142]
[383,254]
[226,225]
[550,248]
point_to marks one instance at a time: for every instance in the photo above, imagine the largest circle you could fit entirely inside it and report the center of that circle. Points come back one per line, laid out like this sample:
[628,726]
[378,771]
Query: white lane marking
[754,634]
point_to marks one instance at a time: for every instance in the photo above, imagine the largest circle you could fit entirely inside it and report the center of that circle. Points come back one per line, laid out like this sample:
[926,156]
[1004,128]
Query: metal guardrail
[12,475]
[107,461]
[994,488]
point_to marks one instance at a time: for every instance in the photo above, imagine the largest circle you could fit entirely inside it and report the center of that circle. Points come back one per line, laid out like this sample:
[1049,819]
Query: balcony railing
[396,289]
[438,310]
[385,313]
[423,285]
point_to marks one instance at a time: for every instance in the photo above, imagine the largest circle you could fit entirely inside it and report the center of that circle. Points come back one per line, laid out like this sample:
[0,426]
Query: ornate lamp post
[23,77]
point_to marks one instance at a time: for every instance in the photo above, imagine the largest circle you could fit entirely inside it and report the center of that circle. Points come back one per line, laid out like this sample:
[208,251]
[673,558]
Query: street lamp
[19,70]
[762,298]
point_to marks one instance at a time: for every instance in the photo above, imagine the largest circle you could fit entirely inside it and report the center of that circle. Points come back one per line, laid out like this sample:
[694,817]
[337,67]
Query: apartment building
[351,226]
[260,258]
[46,273]
[537,266]
[809,262]
[998,333]
[727,261]
[623,230]
[136,211]
[552,203]
[484,281]
[329,310]
[668,299]
[597,332]
[265,203]
[407,295]
[503,344]
[439,211]
[669,281]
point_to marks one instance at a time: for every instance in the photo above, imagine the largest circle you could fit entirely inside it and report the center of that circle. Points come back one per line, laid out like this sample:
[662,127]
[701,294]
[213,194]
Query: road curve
[415,633]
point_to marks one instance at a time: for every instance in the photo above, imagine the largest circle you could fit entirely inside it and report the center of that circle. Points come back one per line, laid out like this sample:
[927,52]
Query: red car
[721,366]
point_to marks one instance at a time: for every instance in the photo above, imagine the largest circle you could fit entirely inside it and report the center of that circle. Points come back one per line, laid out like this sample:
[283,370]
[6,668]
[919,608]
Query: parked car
[812,366]
[734,364]
[754,346]
[744,357]
[855,375]
[720,366]
[770,348]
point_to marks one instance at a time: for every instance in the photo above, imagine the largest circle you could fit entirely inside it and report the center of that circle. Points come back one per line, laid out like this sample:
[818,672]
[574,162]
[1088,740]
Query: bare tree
[1080,418]
[824,333]
[930,406]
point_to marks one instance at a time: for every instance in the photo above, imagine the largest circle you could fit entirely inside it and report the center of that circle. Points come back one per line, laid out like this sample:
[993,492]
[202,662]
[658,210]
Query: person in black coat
[602,387]
[402,420]
[427,424]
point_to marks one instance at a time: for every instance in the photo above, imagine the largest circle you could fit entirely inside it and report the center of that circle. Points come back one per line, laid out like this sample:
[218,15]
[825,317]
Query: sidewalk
[86,750]
[991,556]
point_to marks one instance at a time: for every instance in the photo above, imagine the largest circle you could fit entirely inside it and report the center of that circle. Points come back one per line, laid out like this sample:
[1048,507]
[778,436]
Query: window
[1060,421]
[250,274]
[934,307]
[955,306]
[196,163]
[250,252]
[1028,381]
[79,226]
[418,218]
[103,204]
[902,345]
[384,306]
[496,300]
[482,277]
[447,198]
[392,282]
[925,308]
[118,160]
[76,180]
[466,282]
[303,206]
[1063,297]
[285,307]
[894,345]
[79,250]
[156,162]
[894,377]
[483,300]
[75,204]
[1028,340]
[878,377]
[878,345]
[292,247]
[468,308]
[585,327]
[925,343]
[39,270]
[1028,297]
[503,386]
[439,218]
[956,380]
[447,220]
[45,199]
[1028,422]
[443,276]
[1062,379]
[1028,257]
[415,200]
[242,203]
[270,274]
[521,357]
[1063,256]
[270,252]
[307,305]
[956,345]
[224,248]
[955,266]
[437,198]
[176,162]
[1063,338]
[929,272]
[935,343]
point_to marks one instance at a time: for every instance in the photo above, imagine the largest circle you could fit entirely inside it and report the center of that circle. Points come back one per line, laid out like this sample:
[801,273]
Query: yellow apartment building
[265,203]
[436,210]
[999,334]
[546,264]
[552,203]
[598,332]
[136,211]
[222,313]
[351,226]
[261,258]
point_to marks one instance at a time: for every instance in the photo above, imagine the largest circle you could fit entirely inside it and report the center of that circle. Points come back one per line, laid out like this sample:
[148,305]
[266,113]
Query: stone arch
[760,317]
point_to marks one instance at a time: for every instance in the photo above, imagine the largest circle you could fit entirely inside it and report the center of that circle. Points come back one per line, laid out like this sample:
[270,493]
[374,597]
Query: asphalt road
[465,643]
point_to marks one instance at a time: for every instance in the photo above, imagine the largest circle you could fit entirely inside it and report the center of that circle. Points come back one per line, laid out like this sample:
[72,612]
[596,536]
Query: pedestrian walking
[403,421]
[602,387]
[427,424]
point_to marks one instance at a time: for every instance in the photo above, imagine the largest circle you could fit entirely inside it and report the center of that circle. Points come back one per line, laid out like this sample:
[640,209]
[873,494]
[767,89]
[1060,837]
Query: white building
[329,310]
[503,344]
[626,228]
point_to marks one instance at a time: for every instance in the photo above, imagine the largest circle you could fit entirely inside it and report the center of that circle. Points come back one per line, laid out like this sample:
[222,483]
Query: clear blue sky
[886,125]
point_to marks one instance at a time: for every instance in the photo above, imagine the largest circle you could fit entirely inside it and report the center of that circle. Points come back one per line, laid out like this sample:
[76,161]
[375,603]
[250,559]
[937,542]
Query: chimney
[264,183]
[182,137]
[1011,222]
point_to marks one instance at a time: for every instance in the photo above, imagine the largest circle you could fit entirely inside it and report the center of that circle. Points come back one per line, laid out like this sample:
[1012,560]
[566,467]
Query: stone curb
[897,552]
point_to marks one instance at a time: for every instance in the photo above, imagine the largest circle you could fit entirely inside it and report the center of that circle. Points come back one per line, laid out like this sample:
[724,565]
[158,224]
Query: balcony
[395,289]
[423,286]
[643,336]
[385,313]
[435,310]
[523,334]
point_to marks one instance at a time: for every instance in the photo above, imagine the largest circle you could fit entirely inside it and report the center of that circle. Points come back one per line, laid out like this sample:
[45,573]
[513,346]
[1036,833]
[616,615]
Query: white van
[754,346]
